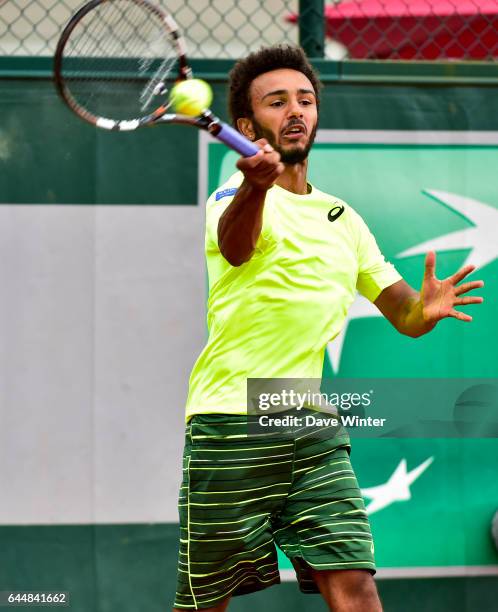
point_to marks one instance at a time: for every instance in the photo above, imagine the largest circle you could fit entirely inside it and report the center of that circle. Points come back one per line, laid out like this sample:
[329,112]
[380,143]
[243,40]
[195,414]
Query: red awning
[414,29]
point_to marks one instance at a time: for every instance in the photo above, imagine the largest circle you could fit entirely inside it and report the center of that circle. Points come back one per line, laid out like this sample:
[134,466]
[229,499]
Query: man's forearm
[240,225]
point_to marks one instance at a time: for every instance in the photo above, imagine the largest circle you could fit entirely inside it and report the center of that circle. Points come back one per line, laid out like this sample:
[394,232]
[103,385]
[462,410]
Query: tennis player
[285,261]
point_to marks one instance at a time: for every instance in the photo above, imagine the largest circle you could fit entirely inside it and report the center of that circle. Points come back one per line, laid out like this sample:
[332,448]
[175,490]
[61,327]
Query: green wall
[48,155]
[130,568]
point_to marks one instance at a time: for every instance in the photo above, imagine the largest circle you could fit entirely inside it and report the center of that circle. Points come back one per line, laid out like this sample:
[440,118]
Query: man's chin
[293,153]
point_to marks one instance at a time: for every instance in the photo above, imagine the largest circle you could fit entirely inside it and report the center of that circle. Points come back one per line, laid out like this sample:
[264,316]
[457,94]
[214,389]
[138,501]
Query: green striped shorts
[243,491]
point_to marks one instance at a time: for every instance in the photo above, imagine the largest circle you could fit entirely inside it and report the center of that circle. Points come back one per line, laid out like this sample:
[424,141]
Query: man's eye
[277,103]
[306,102]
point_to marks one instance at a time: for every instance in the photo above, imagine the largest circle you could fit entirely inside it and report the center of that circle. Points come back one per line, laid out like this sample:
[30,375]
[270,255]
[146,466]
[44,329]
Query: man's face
[285,112]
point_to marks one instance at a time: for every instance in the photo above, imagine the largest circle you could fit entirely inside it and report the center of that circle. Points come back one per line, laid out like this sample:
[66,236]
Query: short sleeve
[216,205]
[374,272]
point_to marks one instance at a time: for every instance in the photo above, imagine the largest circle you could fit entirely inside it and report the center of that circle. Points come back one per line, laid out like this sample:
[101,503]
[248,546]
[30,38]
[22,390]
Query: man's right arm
[241,223]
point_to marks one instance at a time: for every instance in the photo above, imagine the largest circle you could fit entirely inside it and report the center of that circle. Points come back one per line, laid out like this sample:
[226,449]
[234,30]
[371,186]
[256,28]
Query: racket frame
[206,120]
[172,31]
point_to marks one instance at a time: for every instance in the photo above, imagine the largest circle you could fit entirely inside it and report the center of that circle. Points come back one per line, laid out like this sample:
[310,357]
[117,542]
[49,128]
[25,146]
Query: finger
[468,287]
[264,145]
[269,162]
[250,159]
[461,274]
[271,156]
[278,171]
[266,167]
[430,264]
[264,175]
[468,300]
[461,316]
[249,163]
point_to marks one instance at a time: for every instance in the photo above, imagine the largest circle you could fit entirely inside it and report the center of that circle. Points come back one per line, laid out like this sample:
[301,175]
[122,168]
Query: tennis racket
[114,63]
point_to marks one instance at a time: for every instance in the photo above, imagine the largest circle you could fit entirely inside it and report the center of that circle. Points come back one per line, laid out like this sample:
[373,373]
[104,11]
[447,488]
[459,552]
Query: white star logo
[479,240]
[397,488]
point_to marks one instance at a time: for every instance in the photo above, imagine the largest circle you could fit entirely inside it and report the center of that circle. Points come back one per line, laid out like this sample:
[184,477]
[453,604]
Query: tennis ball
[191,97]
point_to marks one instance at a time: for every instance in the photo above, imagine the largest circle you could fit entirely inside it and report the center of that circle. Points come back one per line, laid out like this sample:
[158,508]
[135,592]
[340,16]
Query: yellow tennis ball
[191,97]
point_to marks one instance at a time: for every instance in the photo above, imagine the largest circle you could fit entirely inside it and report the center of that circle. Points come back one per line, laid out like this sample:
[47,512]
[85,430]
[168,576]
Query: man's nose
[295,109]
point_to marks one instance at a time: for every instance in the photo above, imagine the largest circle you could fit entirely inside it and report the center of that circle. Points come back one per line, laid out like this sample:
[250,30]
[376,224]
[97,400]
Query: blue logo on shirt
[226,192]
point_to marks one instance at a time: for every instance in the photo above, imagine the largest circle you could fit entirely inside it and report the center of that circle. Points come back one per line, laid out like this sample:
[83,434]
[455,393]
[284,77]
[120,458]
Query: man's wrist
[252,189]
[415,322]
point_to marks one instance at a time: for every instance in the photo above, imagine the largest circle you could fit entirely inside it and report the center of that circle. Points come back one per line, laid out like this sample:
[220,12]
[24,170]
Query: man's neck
[293,178]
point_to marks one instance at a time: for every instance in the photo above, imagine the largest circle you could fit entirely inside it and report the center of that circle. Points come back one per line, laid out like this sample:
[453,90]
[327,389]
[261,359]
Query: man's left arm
[415,313]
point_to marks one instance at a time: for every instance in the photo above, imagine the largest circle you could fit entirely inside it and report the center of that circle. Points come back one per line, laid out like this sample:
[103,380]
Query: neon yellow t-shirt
[273,316]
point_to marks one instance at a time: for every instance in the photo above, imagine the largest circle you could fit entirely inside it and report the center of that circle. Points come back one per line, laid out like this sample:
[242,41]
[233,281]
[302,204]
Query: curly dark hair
[259,62]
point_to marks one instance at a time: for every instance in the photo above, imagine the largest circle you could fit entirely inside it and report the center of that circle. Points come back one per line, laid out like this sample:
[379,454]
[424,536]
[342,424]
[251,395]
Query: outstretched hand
[439,297]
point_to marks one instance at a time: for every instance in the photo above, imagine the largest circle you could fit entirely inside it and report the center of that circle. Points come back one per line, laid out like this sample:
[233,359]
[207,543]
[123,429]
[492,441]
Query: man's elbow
[235,257]
[234,261]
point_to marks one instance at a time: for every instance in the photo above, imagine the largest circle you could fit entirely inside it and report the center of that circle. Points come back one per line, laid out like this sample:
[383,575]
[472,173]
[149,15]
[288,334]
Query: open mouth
[294,132]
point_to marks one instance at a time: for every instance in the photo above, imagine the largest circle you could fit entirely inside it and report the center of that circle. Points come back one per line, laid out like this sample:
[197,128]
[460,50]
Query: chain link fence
[344,29]
[212,28]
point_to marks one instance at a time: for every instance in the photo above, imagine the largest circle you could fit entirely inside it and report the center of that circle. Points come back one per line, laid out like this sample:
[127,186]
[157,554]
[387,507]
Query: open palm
[439,297]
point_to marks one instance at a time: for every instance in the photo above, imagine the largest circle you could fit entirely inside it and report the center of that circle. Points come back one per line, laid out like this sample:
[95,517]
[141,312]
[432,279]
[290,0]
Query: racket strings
[116,60]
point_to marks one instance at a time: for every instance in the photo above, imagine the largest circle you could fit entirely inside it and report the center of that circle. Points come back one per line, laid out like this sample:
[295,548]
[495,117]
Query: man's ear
[244,125]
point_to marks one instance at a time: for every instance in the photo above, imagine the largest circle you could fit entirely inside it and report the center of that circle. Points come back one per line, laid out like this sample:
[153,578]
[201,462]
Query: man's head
[274,94]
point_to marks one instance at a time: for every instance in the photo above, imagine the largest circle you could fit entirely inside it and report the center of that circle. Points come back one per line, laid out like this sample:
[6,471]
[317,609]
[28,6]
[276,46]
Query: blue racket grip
[236,141]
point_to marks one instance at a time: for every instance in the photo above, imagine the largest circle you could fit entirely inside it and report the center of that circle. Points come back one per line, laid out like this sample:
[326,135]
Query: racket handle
[235,140]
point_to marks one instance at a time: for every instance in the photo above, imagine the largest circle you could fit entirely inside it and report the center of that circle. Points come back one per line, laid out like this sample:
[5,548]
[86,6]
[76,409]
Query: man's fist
[262,169]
